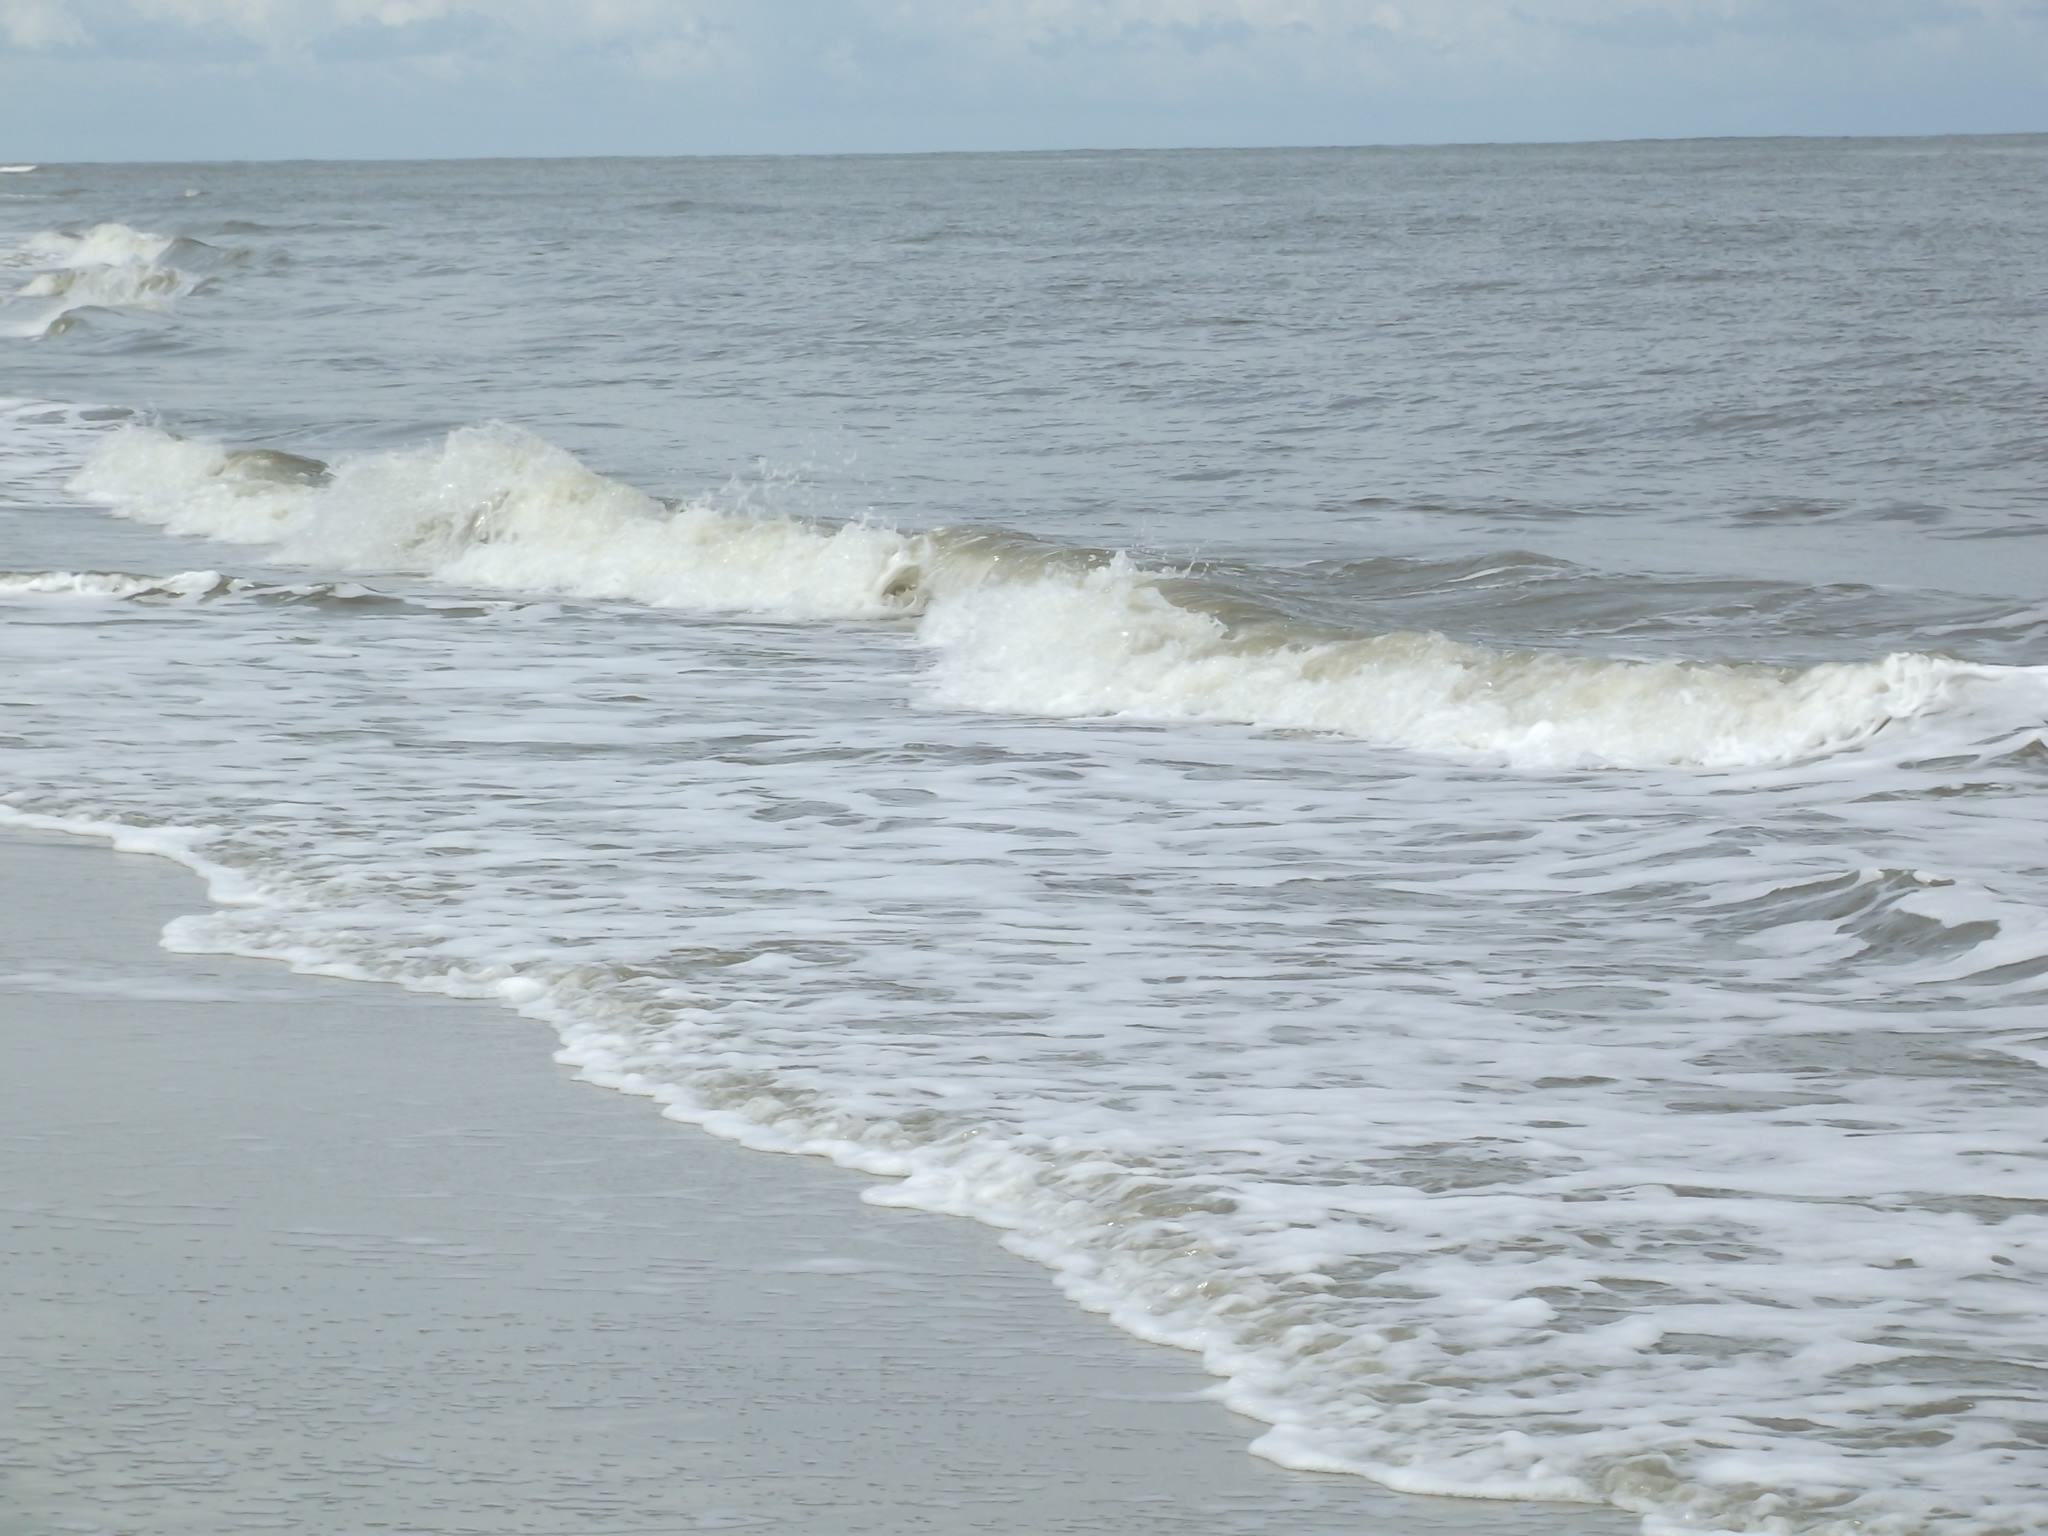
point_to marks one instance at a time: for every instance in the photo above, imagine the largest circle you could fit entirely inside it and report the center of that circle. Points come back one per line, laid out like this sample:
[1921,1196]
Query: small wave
[186,587]
[109,266]
[1015,625]
[114,584]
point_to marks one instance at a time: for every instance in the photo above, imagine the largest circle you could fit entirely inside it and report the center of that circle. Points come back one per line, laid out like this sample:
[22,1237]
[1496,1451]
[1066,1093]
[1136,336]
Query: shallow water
[1420,768]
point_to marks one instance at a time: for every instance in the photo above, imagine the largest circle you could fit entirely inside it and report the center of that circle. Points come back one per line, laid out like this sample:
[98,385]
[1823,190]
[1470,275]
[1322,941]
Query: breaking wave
[108,266]
[1016,625]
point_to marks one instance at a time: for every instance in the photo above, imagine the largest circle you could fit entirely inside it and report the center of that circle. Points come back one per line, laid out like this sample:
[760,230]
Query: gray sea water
[1421,769]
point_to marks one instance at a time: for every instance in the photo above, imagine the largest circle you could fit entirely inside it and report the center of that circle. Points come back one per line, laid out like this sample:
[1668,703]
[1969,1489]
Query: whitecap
[1014,626]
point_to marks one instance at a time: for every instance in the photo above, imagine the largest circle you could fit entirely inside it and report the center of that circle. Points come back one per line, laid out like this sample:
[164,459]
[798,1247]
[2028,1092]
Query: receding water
[1423,768]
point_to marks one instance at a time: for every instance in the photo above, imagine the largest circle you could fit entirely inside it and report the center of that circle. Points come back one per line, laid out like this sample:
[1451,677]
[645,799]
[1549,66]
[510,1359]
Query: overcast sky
[242,79]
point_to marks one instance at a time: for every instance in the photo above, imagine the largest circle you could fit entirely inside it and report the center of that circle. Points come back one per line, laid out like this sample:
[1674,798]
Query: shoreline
[295,1254]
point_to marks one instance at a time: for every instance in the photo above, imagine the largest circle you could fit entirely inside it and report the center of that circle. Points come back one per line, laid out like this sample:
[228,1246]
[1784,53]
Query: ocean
[1422,770]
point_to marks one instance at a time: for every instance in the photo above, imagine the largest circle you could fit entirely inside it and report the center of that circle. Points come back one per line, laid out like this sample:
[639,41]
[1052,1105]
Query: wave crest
[109,266]
[498,507]
[1114,641]
[1016,625]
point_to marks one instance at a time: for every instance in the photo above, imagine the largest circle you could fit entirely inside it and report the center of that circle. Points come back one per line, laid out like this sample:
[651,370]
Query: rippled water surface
[1423,768]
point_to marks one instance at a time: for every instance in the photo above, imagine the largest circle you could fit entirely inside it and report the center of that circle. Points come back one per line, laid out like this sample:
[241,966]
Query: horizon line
[1094,150]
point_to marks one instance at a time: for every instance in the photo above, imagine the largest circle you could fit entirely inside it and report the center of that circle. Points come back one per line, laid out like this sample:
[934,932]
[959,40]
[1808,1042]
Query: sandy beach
[287,1254]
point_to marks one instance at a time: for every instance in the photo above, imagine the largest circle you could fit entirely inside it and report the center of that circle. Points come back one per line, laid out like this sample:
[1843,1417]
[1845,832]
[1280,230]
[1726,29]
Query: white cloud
[40,24]
[985,73]
[1189,49]
[287,25]
[1444,23]
[997,26]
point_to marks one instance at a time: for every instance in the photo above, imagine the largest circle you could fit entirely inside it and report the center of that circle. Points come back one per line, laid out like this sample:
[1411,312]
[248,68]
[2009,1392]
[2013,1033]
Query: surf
[1013,625]
[106,266]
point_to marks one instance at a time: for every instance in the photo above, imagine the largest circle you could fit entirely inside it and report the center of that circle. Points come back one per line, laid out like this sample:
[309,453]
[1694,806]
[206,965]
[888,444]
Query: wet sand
[286,1254]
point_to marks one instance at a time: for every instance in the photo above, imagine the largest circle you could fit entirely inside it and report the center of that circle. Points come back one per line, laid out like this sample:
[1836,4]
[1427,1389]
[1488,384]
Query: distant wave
[108,266]
[1016,625]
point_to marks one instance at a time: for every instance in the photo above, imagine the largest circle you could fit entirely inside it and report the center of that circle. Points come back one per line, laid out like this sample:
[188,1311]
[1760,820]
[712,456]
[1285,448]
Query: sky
[287,79]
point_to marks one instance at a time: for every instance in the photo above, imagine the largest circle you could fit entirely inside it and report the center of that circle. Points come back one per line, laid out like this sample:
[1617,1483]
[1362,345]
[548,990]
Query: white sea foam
[1637,1245]
[108,266]
[1318,1062]
[1112,641]
[1014,627]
